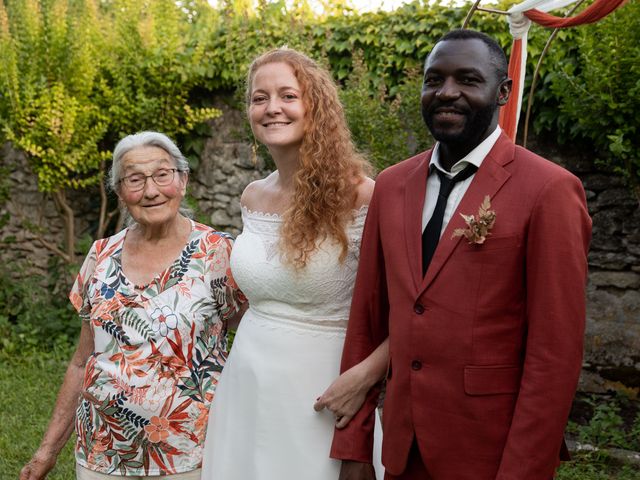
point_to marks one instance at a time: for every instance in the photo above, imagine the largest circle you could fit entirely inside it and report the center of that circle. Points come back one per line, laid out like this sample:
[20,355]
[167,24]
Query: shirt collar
[475,156]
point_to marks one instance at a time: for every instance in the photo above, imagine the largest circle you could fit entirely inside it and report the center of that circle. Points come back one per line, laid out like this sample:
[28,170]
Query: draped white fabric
[543,5]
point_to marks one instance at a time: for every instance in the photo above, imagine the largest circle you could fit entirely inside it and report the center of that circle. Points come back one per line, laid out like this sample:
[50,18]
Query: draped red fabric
[599,9]
[510,112]
[594,12]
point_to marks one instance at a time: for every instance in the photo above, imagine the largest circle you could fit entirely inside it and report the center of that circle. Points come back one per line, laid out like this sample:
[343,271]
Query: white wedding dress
[285,354]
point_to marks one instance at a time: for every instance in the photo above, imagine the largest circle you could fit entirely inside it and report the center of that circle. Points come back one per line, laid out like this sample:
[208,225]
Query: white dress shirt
[475,156]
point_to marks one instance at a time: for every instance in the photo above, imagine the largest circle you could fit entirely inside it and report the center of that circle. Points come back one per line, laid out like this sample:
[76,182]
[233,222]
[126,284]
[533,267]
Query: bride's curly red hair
[325,185]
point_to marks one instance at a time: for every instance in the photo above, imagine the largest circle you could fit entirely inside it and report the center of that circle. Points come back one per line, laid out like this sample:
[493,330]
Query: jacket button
[416,365]
[419,309]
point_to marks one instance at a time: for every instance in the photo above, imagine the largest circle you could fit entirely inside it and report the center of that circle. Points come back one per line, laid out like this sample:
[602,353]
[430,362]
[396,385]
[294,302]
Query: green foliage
[374,122]
[391,42]
[236,33]
[79,74]
[634,435]
[382,52]
[606,427]
[152,64]
[34,314]
[599,92]
[595,466]
[50,57]
[407,96]
[606,423]
[387,129]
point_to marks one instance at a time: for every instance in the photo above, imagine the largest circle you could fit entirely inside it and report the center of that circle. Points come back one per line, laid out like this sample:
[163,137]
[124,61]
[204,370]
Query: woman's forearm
[374,367]
[62,420]
[348,392]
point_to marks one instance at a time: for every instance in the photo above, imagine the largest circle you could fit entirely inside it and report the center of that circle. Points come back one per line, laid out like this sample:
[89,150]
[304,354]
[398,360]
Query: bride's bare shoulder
[253,196]
[365,190]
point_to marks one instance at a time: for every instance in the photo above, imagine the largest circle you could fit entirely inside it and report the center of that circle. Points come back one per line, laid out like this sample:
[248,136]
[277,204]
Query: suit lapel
[487,181]
[415,190]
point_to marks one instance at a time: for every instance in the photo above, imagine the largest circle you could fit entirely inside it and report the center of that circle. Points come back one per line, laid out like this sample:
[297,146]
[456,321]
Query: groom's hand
[351,470]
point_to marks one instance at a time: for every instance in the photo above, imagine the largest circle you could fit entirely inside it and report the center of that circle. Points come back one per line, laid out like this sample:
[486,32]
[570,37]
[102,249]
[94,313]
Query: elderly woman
[155,299]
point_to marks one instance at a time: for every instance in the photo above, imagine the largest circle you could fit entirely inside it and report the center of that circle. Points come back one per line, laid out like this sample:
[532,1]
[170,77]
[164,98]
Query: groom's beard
[475,125]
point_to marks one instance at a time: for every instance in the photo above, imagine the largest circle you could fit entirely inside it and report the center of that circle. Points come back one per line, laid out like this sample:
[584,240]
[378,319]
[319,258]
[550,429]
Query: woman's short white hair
[147,139]
[144,139]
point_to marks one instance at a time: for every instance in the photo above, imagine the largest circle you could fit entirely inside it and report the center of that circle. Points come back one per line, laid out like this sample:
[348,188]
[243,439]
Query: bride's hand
[345,395]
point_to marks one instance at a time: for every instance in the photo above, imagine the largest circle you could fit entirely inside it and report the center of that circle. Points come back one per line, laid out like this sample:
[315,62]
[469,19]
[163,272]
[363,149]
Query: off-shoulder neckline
[276,216]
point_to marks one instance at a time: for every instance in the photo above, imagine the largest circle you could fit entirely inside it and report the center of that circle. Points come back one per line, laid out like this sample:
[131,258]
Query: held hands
[40,464]
[345,395]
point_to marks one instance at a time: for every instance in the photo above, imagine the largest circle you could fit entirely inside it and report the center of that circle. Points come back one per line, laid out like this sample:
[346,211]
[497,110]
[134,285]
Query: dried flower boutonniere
[478,227]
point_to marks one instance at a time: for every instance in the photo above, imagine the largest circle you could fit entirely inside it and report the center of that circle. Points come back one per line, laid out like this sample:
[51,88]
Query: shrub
[77,75]
[599,93]
[35,314]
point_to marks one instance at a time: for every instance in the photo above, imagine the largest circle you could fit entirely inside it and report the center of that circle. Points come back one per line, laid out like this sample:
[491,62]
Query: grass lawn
[29,386]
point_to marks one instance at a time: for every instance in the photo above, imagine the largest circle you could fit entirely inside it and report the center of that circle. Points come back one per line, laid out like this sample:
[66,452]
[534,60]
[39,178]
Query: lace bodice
[317,296]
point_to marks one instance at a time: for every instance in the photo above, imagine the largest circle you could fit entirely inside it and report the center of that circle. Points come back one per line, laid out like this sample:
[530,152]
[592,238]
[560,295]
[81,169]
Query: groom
[484,312]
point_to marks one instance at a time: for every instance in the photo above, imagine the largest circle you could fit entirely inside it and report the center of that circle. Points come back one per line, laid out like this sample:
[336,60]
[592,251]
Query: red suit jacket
[486,350]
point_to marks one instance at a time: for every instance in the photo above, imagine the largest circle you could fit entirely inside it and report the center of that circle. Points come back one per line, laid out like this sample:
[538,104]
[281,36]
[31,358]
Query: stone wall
[613,294]
[612,348]
[227,165]
[24,212]
[28,215]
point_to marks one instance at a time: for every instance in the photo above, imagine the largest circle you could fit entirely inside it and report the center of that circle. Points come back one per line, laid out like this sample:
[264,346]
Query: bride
[296,261]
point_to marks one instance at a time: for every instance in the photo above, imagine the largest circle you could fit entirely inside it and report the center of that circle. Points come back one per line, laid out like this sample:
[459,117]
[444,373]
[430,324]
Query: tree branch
[470,13]
[68,215]
[53,248]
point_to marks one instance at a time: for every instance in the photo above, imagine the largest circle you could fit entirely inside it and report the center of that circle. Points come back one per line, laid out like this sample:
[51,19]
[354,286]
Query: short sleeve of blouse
[79,296]
[225,290]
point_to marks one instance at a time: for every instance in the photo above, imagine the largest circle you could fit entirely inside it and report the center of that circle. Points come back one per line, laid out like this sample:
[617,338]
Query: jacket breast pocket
[493,242]
[491,379]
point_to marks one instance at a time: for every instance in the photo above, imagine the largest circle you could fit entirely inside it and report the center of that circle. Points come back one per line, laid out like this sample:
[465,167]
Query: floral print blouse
[159,349]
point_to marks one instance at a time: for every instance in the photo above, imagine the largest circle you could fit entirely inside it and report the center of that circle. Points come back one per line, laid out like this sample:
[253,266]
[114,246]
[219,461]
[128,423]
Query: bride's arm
[347,393]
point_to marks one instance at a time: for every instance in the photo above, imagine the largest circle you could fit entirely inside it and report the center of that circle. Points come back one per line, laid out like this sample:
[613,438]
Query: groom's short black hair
[498,58]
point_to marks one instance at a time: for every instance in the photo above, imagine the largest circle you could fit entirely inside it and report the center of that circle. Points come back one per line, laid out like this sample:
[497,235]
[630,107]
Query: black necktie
[431,234]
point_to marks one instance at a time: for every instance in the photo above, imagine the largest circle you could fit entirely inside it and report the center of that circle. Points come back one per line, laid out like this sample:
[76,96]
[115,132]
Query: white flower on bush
[163,319]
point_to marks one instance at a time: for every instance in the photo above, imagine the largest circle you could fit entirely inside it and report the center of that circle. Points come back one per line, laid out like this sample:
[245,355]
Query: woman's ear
[184,180]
